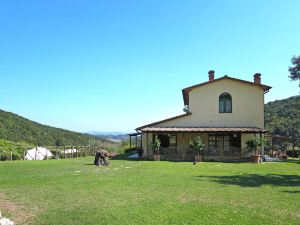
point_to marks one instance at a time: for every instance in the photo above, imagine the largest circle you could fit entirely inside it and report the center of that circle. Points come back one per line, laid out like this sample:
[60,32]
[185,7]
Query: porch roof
[203,129]
[134,134]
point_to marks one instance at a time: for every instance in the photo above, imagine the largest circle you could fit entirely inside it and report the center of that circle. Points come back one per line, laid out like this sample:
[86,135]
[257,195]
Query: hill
[15,128]
[282,117]
[112,136]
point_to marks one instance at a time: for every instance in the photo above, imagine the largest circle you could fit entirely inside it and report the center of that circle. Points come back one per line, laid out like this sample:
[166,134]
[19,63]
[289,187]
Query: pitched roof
[185,91]
[162,121]
[203,129]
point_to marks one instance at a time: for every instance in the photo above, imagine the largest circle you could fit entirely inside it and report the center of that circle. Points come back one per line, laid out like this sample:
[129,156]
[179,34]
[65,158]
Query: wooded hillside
[18,129]
[282,117]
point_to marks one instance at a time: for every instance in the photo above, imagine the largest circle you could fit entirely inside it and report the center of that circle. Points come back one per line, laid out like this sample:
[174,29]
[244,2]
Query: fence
[188,154]
[61,152]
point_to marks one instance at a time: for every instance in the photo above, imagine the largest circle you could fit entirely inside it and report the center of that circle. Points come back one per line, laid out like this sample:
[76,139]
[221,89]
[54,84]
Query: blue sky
[88,65]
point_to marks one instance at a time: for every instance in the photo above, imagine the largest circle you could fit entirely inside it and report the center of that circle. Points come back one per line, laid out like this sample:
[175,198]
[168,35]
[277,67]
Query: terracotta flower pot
[255,158]
[198,158]
[156,157]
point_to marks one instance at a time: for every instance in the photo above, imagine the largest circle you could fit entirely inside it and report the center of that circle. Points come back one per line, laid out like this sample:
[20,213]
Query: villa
[225,112]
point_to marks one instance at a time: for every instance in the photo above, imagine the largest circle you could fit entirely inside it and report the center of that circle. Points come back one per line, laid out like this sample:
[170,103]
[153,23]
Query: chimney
[211,75]
[257,79]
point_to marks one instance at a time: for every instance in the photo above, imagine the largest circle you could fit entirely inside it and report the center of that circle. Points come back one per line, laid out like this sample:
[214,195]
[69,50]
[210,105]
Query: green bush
[5,156]
[296,153]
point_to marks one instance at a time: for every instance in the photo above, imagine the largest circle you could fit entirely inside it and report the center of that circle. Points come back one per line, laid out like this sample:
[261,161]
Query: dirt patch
[19,213]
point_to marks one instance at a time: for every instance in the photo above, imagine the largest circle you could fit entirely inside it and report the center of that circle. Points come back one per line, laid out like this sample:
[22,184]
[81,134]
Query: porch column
[147,145]
[130,142]
[241,151]
[262,147]
[136,141]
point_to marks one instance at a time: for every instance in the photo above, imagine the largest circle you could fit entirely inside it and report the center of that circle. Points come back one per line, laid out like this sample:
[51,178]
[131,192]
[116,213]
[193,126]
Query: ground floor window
[224,144]
[167,140]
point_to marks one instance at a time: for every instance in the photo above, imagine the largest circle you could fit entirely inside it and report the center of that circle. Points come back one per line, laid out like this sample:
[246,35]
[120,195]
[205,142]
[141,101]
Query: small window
[225,103]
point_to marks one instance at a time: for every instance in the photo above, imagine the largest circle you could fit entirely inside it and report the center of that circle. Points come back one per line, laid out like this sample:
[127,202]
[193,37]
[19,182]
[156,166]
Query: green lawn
[73,191]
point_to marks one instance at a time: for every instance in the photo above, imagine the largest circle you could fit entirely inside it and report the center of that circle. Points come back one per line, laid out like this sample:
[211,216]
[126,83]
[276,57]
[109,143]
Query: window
[215,141]
[229,144]
[173,140]
[167,140]
[225,103]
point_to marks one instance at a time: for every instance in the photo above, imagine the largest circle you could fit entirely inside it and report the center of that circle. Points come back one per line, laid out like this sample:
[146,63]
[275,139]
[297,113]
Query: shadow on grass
[292,192]
[293,161]
[257,180]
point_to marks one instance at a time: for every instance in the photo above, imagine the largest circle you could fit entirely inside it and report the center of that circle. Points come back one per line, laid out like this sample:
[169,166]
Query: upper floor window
[225,103]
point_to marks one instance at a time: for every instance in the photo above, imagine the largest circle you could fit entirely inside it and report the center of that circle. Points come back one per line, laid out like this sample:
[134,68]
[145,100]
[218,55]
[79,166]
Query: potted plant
[198,146]
[155,148]
[252,144]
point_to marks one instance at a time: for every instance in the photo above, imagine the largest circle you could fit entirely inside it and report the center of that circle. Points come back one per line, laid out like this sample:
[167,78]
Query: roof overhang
[162,121]
[134,134]
[203,130]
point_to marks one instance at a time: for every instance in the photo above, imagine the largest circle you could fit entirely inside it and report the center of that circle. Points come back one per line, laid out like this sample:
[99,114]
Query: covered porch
[135,141]
[221,144]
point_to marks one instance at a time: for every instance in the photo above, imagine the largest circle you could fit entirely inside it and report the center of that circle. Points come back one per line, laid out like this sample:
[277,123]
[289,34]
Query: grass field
[73,191]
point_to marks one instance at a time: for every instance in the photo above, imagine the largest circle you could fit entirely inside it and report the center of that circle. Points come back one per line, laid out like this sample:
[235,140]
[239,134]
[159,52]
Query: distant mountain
[18,129]
[115,138]
[282,117]
[104,133]
[112,136]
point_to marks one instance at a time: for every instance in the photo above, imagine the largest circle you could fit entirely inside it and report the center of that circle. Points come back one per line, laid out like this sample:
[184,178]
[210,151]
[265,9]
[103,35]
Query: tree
[58,142]
[295,70]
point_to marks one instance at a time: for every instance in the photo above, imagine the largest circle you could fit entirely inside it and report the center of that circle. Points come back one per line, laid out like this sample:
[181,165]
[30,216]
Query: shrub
[254,142]
[4,156]
[296,153]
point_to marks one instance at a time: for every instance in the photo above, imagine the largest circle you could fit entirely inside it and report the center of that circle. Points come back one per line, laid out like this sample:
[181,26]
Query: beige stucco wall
[247,106]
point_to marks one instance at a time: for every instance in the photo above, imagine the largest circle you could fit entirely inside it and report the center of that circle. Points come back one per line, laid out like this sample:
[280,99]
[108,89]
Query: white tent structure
[38,153]
[70,151]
